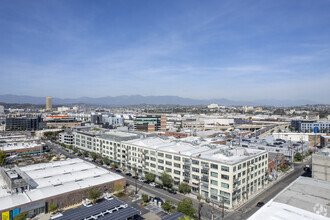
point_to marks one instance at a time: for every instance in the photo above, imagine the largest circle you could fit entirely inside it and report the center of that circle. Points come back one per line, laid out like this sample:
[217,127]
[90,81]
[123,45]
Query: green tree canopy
[145,197]
[186,207]
[118,187]
[298,157]
[2,158]
[184,188]
[150,177]
[94,156]
[167,179]
[94,194]
[106,160]
[85,153]
[167,205]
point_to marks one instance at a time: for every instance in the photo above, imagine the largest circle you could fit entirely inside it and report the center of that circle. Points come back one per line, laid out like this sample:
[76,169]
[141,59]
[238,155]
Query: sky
[240,50]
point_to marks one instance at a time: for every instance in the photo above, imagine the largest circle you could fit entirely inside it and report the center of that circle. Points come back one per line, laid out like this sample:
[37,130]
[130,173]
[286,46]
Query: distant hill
[153,100]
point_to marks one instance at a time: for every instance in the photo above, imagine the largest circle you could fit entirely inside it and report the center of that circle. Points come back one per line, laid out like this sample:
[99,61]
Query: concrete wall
[321,167]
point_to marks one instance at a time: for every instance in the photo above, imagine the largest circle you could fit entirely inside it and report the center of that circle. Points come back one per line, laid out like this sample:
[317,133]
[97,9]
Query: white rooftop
[304,199]
[18,146]
[197,147]
[56,178]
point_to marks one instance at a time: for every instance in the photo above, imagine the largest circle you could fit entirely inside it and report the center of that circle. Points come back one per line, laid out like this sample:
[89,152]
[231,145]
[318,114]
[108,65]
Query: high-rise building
[49,103]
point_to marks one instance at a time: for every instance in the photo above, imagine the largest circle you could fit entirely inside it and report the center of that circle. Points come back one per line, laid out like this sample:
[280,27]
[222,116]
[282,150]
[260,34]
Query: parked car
[259,204]
[118,170]
[152,184]
[171,191]
[128,174]
[112,168]
[141,180]
[146,181]
[135,177]
[159,186]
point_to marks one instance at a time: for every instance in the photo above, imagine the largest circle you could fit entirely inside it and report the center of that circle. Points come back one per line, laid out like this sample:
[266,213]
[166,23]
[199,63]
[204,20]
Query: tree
[145,198]
[94,194]
[167,205]
[184,188]
[2,158]
[52,207]
[167,179]
[21,216]
[106,161]
[118,187]
[94,156]
[298,157]
[114,165]
[150,177]
[186,207]
[85,153]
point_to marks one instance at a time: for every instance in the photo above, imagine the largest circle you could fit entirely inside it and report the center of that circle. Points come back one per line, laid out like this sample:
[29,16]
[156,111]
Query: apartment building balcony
[188,163]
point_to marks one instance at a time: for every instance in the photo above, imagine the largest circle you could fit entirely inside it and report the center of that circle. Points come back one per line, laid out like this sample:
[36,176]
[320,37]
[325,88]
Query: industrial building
[34,188]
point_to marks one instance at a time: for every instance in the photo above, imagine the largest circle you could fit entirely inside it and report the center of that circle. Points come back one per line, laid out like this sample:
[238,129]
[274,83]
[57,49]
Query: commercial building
[2,109]
[49,105]
[35,187]
[22,123]
[220,172]
[270,144]
[304,199]
[321,165]
[66,138]
[62,123]
[309,125]
[150,123]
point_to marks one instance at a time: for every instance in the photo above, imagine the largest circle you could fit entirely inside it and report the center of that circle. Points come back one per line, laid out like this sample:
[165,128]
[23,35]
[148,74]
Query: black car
[259,204]
[118,170]
[171,191]
[147,181]
[128,174]
[159,186]
[135,177]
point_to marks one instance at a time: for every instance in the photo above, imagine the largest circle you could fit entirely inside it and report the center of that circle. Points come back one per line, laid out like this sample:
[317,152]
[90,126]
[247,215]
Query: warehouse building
[34,188]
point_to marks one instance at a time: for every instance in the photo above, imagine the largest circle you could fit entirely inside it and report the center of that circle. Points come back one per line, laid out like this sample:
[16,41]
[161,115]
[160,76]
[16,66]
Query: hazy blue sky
[241,50]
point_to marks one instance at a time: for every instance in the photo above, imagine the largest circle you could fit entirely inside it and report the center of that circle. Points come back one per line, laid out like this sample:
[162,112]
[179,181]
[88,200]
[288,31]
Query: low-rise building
[321,165]
[304,199]
[66,138]
[34,188]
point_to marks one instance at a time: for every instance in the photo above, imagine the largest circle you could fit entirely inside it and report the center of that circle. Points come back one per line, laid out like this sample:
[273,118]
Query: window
[194,169]
[169,170]
[234,169]
[239,167]
[168,156]
[152,152]
[214,182]
[153,165]
[177,165]
[224,168]
[169,163]
[195,177]
[160,167]
[225,177]
[214,174]
[177,172]
[177,158]
[214,166]
[160,154]
[224,185]
[152,158]
[160,161]
[195,162]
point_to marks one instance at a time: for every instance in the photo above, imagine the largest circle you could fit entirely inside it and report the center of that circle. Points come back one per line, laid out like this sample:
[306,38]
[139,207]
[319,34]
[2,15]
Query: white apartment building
[323,126]
[66,138]
[219,172]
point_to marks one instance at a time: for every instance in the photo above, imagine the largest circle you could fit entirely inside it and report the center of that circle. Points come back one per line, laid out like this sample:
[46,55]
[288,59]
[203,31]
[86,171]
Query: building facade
[49,103]
[216,172]
[23,123]
[150,123]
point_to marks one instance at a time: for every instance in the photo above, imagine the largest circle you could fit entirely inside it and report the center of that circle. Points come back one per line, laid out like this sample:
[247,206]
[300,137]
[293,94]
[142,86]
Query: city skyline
[243,50]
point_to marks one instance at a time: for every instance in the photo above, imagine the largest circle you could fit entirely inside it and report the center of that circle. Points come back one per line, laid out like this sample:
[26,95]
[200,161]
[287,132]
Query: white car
[141,180]
[152,184]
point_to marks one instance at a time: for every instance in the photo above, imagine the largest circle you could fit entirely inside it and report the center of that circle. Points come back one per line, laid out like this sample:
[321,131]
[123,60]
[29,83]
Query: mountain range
[152,100]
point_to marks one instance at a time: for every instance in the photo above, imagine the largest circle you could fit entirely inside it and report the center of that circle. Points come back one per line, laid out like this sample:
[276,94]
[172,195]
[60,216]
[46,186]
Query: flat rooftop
[55,178]
[18,146]
[304,199]
[197,147]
